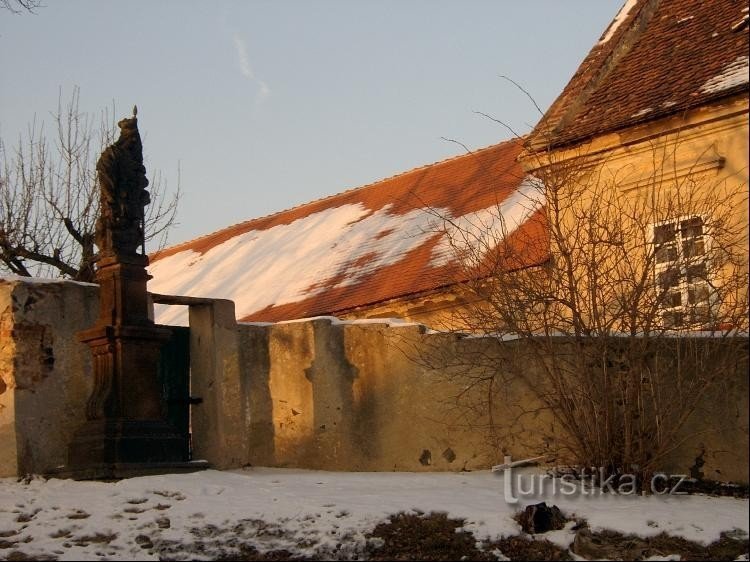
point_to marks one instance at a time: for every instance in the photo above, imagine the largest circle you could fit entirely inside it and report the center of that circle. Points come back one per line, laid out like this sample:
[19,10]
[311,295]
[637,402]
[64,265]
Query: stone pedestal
[124,413]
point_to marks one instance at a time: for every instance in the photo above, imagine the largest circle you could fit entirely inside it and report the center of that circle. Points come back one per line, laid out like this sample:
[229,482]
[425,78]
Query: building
[658,114]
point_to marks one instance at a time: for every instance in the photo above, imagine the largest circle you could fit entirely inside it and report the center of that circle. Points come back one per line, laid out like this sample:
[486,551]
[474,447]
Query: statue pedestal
[124,413]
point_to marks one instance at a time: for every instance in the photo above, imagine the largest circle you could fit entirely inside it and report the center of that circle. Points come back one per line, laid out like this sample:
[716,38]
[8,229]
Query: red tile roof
[379,265]
[663,58]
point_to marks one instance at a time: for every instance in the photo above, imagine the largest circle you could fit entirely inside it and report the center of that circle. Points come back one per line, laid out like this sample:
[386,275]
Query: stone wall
[320,393]
[44,372]
[368,396]
[362,396]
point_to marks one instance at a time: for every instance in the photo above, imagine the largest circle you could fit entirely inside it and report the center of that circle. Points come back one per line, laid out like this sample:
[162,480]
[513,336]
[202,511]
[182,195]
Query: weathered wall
[44,371]
[361,396]
[319,393]
[220,424]
[716,436]
[357,396]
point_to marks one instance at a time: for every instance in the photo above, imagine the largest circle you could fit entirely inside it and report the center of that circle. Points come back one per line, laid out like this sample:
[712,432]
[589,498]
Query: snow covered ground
[305,512]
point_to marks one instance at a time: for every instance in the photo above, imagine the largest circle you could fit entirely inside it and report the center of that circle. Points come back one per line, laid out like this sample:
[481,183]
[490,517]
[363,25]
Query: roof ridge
[603,57]
[612,52]
[179,246]
[628,76]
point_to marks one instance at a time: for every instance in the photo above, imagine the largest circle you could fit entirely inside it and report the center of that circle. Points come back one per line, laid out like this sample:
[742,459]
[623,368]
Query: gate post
[220,424]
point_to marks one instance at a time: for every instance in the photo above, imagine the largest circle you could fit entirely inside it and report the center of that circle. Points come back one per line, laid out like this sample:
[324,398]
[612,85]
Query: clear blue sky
[267,105]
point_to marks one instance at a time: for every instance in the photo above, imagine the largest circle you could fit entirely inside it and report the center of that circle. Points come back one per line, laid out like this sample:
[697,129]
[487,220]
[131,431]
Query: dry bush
[637,314]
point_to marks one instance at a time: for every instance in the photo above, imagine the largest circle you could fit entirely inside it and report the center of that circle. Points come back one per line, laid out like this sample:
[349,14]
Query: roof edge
[736,93]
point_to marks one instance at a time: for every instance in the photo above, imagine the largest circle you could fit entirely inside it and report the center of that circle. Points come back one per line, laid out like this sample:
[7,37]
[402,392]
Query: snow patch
[309,512]
[42,280]
[479,232]
[734,74]
[642,112]
[619,18]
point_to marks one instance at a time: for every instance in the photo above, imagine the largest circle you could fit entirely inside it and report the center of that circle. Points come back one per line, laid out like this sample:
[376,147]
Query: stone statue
[122,181]
[126,431]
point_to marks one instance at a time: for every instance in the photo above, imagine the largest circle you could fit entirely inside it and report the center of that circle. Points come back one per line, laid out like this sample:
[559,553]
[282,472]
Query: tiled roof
[360,247]
[657,58]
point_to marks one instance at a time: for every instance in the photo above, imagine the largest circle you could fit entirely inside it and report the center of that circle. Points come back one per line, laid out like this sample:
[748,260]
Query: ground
[260,513]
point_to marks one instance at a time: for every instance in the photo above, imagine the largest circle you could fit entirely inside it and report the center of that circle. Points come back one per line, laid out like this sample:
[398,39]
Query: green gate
[174,378]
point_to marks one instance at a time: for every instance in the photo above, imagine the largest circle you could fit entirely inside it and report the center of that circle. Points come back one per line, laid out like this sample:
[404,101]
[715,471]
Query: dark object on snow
[416,536]
[539,518]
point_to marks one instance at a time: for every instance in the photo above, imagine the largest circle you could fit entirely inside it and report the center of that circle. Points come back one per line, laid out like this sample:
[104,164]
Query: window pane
[696,272]
[692,227]
[669,278]
[700,315]
[664,233]
[693,247]
[697,293]
[666,253]
[672,319]
[675,298]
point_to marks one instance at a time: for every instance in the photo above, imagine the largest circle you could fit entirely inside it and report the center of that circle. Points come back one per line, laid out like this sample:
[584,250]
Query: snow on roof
[667,56]
[483,229]
[642,112]
[363,246]
[619,18]
[734,74]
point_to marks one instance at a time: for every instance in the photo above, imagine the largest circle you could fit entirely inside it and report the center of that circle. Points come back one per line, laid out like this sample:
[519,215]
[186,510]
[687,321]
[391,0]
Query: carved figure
[122,183]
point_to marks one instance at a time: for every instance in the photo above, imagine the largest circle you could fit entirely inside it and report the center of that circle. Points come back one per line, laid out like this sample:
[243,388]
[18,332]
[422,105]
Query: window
[681,271]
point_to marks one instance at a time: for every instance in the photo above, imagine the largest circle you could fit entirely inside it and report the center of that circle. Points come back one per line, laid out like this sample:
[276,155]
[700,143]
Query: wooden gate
[174,378]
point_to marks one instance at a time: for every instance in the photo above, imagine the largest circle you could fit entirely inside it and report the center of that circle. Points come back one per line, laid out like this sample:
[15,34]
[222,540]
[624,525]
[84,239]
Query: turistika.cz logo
[593,482]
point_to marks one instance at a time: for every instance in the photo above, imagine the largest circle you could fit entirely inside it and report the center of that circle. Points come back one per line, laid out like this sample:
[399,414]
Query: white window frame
[681,263]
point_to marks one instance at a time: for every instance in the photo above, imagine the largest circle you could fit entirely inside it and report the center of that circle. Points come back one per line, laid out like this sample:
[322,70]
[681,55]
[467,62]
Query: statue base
[125,441]
[126,433]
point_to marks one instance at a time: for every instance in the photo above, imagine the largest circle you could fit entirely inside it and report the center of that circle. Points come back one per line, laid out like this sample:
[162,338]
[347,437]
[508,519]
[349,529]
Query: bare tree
[49,198]
[623,323]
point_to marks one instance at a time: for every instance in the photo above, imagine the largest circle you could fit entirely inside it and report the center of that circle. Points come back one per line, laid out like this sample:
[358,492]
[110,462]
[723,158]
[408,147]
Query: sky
[263,105]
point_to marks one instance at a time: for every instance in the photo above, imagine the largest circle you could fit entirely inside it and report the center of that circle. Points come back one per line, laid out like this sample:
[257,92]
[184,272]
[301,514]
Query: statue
[126,427]
[122,181]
